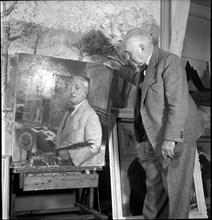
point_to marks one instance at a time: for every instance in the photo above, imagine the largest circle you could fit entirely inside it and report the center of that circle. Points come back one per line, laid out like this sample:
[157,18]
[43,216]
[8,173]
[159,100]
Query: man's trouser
[169,182]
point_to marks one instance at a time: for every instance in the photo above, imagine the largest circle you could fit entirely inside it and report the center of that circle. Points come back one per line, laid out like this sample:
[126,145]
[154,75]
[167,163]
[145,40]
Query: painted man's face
[78,91]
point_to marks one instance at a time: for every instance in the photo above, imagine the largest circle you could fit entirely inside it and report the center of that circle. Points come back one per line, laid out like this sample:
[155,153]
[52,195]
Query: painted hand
[168,149]
[51,136]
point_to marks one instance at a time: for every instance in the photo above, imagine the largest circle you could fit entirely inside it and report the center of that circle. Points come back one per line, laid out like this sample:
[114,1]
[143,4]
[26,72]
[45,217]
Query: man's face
[138,50]
[78,91]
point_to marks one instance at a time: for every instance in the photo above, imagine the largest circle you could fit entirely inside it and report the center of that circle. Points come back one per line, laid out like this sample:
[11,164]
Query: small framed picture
[126,138]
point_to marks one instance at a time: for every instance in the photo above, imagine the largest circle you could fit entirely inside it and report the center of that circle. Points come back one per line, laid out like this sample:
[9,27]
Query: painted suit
[82,126]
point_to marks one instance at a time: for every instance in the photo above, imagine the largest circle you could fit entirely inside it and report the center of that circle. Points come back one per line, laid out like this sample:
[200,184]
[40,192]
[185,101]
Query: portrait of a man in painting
[57,112]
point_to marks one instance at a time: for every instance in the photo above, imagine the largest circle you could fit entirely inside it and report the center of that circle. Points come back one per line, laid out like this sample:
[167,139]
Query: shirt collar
[78,105]
[147,62]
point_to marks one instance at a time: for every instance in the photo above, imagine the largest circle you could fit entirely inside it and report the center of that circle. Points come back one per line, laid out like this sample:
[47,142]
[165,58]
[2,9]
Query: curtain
[178,24]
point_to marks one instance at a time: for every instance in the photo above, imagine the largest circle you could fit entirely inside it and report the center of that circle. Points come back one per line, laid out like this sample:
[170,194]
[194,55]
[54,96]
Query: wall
[197,46]
[197,41]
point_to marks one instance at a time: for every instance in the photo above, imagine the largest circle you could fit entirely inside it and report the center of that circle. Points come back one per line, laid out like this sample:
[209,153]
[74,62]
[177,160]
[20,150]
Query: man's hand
[168,149]
[112,64]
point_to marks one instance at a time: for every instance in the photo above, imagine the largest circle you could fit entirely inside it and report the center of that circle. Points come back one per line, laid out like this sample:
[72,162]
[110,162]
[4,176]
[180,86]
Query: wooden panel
[59,181]
[67,216]
[27,169]
[46,211]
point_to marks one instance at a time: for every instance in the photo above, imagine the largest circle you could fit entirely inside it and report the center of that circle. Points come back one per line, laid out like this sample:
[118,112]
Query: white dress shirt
[77,106]
[147,62]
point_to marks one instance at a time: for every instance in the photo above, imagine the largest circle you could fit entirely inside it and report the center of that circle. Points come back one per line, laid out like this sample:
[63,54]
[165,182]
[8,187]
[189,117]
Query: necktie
[138,125]
[70,109]
[141,70]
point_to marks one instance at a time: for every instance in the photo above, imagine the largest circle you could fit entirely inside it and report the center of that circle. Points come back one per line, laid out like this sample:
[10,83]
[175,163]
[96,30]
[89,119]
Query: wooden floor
[105,209]
[55,217]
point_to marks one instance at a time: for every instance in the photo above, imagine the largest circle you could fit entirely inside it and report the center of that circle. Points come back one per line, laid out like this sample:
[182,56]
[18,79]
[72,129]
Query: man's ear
[141,46]
[86,93]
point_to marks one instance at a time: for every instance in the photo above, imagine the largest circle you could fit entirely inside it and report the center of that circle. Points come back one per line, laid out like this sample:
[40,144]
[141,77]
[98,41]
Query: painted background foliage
[61,29]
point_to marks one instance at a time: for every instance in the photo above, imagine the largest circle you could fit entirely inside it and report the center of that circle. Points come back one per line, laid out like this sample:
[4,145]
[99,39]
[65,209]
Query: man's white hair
[140,32]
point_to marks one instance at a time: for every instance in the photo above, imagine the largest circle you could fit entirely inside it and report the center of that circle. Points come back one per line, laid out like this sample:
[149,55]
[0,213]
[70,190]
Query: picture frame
[120,159]
[42,98]
[200,210]
[126,138]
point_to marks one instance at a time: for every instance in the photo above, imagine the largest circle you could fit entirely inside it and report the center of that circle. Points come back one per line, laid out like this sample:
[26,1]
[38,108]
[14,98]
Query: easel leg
[91,198]
[12,198]
[199,188]
[83,196]
[77,195]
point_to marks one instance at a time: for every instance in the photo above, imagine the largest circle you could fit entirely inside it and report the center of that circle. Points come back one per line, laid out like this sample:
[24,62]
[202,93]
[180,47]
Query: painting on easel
[49,132]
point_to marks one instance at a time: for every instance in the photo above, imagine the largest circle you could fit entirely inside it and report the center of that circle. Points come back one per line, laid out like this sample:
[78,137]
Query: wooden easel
[82,179]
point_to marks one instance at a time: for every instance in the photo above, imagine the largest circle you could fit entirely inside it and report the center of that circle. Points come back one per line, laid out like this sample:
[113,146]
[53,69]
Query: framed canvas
[42,96]
[123,154]
[198,73]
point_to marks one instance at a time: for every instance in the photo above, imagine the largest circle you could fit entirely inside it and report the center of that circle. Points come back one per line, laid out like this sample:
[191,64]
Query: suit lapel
[150,73]
[59,130]
[66,115]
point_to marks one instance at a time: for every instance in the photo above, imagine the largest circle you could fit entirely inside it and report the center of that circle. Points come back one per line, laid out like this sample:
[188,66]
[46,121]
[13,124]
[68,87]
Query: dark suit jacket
[168,111]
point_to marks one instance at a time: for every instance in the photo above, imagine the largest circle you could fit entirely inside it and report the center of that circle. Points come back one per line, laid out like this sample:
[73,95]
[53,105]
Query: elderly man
[166,123]
[80,128]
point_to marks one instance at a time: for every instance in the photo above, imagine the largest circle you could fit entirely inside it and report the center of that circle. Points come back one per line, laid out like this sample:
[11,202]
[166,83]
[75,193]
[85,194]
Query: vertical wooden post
[165,17]
[199,188]
[91,197]
[5,186]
